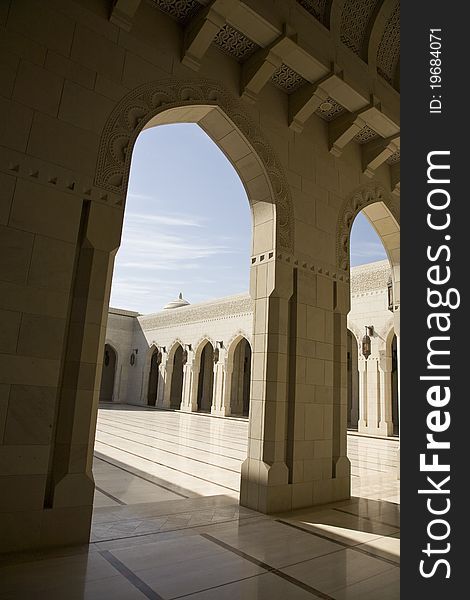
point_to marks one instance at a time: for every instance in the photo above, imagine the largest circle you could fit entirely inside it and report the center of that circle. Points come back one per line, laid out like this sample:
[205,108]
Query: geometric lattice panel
[365,135]
[394,158]
[330,110]
[355,19]
[235,43]
[318,9]
[180,10]
[388,52]
[287,79]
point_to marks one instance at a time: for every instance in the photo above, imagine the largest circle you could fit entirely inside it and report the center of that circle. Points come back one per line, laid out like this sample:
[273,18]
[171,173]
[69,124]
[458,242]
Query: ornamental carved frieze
[353,205]
[139,106]
[388,52]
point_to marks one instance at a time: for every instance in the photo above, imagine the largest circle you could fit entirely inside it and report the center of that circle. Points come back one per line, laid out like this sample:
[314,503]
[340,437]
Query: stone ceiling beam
[307,99]
[259,68]
[122,13]
[343,130]
[376,152]
[201,31]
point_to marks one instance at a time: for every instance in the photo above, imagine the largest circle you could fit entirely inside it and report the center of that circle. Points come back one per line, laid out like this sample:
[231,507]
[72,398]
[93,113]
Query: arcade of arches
[218,374]
[305,105]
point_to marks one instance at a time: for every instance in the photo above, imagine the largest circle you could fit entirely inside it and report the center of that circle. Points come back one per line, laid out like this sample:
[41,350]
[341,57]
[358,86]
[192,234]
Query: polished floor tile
[167,523]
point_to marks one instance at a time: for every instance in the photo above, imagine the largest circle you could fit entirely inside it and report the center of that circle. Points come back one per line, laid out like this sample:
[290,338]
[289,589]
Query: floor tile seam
[354,547]
[169,417]
[171,468]
[105,493]
[215,587]
[136,517]
[155,427]
[128,574]
[171,452]
[169,430]
[362,581]
[372,519]
[270,568]
[139,535]
[184,510]
[236,471]
[155,437]
[141,477]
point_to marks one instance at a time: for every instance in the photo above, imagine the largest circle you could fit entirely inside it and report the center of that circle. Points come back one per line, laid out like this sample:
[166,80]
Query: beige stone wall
[78,83]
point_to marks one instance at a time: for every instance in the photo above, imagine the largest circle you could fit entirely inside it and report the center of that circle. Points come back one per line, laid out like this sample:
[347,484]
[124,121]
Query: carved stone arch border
[152,348]
[233,343]
[173,347]
[199,346]
[354,203]
[137,108]
[353,329]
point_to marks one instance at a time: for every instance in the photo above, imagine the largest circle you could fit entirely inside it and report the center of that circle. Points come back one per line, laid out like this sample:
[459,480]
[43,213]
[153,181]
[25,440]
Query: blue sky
[187,225]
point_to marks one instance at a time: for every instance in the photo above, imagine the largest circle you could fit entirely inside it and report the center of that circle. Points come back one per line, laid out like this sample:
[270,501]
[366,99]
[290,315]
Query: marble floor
[167,523]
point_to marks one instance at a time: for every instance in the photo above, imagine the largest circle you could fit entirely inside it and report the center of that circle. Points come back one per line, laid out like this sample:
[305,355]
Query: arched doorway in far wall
[241,379]
[176,384]
[353,382]
[154,377]
[206,379]
[395,407]
[108,374]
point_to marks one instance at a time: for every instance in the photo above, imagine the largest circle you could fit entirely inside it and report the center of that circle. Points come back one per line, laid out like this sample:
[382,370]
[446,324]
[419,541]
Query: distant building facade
[198,357]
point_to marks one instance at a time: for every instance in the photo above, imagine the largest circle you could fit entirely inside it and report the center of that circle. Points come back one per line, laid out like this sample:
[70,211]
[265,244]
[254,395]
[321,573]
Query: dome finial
[178,303]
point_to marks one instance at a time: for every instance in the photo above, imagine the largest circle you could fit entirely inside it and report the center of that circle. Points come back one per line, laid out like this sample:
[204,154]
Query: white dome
[178,303]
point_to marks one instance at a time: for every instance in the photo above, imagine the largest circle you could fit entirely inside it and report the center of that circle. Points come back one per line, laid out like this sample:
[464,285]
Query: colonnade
[209,378]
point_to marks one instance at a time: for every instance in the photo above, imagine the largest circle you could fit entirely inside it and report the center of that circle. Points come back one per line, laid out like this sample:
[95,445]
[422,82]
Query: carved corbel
[307,99]
[376,152]
[200,32]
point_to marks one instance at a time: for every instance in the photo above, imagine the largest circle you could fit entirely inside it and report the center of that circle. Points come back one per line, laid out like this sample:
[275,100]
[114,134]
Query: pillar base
[265,488]
[385,428]
[220,412]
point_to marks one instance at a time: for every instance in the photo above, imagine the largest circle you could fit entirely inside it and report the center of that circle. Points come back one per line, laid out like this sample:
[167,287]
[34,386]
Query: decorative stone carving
[318,9]
[181,10]
[365,135]
[388,52]
[394,158]
[209,311]
[139,106]
[287,79]
[358,200]
[365,279]
[355,20]
[329,110]
[235,43]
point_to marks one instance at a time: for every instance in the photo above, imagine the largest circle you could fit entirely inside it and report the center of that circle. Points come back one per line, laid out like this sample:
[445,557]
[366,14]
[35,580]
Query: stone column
[218,407]
[163,383]
[297,437]
[68,500]
[355,380]
[167,374]
[385,371]
[373,395]
[190,382]
[396,327]
[363,416]
[227,387]
[340,303]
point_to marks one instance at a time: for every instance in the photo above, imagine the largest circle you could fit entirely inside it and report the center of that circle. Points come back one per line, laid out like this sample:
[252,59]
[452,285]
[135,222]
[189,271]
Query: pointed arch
[223,118]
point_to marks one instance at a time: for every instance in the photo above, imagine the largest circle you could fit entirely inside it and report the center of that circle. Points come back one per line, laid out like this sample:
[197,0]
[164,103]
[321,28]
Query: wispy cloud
[170,220]
[364,251]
